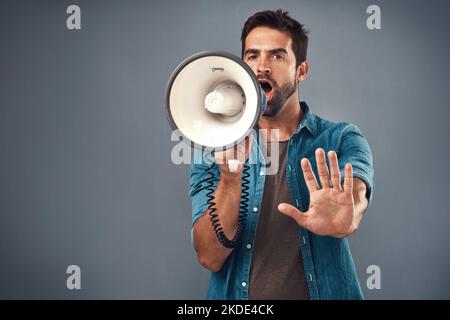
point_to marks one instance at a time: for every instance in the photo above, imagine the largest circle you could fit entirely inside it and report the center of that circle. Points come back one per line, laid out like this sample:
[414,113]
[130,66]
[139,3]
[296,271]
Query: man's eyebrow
[278,50]
[249,51]
[271,51]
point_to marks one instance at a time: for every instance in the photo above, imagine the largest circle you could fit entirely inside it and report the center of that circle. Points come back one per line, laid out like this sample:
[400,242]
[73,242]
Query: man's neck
[286,121]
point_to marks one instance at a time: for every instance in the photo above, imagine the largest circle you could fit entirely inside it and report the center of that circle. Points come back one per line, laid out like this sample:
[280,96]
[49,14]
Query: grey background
[85,170]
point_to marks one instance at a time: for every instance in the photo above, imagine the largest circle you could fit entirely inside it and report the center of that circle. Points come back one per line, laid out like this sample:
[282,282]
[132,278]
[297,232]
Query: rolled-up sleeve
[354,149]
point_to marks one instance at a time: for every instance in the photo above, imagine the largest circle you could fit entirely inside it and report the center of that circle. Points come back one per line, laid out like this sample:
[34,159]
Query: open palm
[331,209]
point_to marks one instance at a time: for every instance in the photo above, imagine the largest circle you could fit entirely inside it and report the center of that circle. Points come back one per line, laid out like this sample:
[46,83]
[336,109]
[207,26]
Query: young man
[294,243]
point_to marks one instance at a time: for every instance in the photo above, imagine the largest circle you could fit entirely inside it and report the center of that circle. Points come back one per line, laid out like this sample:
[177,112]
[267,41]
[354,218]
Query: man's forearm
[210,252]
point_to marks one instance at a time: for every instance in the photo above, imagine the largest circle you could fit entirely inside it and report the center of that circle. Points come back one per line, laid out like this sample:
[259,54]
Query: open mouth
[266,86]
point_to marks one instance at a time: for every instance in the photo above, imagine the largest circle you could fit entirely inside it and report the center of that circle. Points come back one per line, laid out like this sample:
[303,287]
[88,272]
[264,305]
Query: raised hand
[332,207]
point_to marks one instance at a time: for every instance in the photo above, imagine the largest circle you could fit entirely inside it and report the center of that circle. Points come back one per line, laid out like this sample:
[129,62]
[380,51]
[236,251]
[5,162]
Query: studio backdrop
[87,183]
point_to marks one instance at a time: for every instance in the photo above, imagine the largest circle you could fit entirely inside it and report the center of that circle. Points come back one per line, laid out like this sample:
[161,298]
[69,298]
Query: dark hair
[280,20]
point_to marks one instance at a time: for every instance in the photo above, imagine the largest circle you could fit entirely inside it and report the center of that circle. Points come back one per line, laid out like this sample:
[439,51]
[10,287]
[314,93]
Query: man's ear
[302,71]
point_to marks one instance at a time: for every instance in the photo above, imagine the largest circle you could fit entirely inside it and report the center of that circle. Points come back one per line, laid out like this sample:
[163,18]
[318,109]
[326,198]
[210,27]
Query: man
[294,245]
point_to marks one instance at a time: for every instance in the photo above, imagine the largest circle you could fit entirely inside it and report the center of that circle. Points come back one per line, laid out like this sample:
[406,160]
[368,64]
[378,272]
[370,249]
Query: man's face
[269,53]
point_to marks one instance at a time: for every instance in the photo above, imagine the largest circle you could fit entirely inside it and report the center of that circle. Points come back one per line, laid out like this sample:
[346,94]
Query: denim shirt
[329,268]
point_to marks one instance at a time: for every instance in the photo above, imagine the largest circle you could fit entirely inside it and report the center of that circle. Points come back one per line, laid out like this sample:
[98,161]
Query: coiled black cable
[242,208]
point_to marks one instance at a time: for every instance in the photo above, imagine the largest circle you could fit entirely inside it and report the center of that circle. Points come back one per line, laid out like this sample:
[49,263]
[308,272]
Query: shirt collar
[308,120]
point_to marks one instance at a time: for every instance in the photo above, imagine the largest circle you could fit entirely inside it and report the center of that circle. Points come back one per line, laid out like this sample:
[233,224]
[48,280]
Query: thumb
[291,211]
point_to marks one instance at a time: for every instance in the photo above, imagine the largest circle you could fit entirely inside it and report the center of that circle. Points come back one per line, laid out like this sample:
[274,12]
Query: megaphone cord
[214,217]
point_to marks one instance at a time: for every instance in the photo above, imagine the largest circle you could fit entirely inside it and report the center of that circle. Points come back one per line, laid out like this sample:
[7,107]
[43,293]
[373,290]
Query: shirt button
[289,167]
[244,284]
[255,209]
[249,246]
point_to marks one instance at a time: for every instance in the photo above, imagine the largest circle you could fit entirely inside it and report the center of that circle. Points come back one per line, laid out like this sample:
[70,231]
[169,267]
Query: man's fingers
[348,178]
[334,170]
[220,157]
[308,173]
[248,145]
[239,151]
[322,169]
[291,211]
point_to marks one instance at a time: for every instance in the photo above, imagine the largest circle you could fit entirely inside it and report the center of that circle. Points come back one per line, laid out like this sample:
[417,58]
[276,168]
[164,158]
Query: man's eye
[251,57]
[278,57]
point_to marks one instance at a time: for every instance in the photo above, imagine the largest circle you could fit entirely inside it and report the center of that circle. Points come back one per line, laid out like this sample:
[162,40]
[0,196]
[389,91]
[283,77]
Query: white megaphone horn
[214,99]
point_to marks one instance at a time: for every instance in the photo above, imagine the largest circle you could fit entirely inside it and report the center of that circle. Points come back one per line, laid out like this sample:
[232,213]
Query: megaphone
[214,99]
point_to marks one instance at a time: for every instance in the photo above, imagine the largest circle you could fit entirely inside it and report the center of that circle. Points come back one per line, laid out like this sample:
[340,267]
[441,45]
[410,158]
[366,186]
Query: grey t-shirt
[277,266]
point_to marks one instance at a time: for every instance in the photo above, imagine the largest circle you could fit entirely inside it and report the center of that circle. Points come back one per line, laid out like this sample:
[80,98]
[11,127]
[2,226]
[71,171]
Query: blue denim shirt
[328,264]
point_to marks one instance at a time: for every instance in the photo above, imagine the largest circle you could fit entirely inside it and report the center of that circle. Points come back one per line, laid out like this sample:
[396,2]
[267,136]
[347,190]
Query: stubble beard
[279,97]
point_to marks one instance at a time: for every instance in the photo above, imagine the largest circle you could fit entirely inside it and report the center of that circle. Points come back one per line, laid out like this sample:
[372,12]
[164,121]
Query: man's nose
[263,67]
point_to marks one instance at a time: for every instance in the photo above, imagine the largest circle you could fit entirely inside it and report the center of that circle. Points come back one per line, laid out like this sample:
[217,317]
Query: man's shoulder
[333,128]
